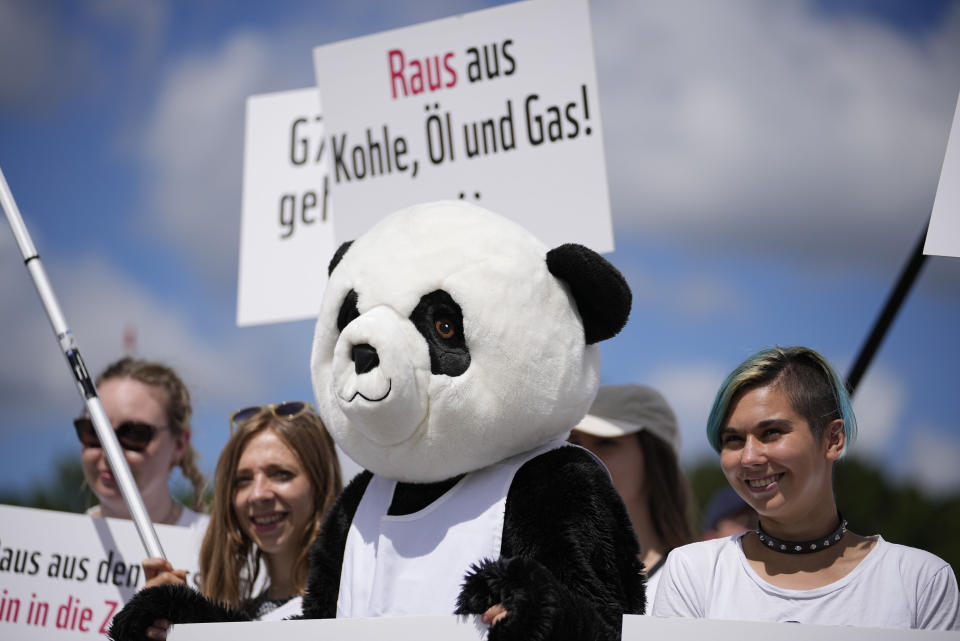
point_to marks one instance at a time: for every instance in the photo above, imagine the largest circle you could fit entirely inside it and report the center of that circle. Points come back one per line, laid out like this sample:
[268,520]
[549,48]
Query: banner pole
[68,345]
[899,292]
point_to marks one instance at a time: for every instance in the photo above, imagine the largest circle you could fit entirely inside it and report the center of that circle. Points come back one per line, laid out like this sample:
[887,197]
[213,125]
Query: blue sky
[771,166]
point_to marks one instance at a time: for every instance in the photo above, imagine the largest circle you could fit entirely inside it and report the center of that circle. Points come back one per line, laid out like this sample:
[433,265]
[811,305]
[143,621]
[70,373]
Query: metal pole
[909,274]
[101,423]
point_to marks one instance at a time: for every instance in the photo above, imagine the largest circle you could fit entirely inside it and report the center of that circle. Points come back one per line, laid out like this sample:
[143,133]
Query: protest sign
[64,576]
[286,238]
[635,628]
[943,234]
[498,107]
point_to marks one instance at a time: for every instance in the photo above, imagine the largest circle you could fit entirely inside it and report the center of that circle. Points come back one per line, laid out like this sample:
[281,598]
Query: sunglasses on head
[132,435]
[286,411]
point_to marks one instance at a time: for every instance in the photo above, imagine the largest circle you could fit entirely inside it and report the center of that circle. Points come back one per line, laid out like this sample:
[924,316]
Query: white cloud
[98,303]
[878,406]
[759,124]
[193,145]
[741,123]
[192,141]
[32,362]
[690,388]
[108,302]
[931,456]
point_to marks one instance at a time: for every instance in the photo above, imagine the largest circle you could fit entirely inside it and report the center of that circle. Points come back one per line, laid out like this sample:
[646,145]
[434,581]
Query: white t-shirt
[653,581]
[188,518]
[894,586]
[195,520]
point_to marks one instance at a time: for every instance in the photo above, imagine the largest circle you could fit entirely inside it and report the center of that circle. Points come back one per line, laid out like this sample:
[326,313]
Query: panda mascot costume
[453,353]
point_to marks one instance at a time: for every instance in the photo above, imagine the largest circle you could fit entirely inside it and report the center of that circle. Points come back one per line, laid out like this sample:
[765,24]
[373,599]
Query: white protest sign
[499,107]
[635,628]
[943,233]
[64,576]
[286,237]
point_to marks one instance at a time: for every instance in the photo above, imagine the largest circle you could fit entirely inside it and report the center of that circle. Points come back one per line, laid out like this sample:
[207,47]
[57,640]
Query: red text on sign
[415,76]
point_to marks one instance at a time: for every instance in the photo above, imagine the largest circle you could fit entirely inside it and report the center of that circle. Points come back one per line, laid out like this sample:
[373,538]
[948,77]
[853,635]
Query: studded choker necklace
[802,547]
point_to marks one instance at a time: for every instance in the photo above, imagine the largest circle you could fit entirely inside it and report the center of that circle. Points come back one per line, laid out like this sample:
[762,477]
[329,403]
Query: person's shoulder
[908,559]
[690,570]
[703,558]
[709,549]
[193,519]
[927,580]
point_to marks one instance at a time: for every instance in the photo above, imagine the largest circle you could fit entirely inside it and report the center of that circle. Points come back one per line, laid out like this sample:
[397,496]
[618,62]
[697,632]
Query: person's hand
[159,571]
[494,613]
[158,630]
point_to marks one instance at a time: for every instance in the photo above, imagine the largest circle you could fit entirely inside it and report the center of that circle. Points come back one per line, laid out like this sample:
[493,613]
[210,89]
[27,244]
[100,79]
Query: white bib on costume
[415,564]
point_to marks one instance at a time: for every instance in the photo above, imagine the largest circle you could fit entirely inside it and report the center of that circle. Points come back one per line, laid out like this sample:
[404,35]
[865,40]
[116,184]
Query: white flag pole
[108,438]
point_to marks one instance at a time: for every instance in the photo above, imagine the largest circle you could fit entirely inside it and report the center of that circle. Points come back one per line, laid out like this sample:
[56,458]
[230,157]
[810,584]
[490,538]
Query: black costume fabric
[568,568]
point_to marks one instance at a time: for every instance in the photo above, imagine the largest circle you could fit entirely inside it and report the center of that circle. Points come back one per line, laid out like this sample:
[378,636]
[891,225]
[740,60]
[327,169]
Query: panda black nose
[364,358]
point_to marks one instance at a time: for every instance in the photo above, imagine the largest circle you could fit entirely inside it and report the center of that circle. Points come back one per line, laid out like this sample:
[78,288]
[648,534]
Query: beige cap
[624,409]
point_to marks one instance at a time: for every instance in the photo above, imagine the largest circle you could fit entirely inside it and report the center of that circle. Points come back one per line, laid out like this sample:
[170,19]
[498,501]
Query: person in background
[780,422]
[149,408]
[633,431]
[727,514]
[275,480]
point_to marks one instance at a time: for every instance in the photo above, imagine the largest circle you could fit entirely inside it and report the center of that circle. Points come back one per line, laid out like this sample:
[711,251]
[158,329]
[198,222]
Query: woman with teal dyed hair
[780,421]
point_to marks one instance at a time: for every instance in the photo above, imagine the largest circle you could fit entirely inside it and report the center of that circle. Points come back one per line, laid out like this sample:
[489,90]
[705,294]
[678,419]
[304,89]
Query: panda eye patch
[439,320]
[445,328]
[348,310]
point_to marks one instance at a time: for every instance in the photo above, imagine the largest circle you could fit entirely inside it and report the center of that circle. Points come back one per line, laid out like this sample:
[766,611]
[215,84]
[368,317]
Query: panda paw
[175,603]
[526,589]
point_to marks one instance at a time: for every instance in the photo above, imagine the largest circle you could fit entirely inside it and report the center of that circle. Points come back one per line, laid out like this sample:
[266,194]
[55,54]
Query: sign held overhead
[499,107]
[943,233]
[286,229]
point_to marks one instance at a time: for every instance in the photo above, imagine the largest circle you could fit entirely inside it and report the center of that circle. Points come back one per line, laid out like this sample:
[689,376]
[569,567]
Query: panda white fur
[514,372]
[450,341]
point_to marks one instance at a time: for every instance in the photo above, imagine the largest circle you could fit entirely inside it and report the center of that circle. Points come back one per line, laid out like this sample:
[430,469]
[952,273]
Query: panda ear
[338,255]
[601,292]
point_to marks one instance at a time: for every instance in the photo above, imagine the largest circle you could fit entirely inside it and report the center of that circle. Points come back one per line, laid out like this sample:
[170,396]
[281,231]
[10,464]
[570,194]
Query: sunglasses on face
[132,435]
[286,411]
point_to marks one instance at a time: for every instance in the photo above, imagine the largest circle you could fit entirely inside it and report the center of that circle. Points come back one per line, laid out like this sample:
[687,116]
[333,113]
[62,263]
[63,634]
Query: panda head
[450,338]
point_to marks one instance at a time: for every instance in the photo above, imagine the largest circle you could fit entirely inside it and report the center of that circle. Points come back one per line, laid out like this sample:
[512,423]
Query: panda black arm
[568,566]
[326,555]
[175,603]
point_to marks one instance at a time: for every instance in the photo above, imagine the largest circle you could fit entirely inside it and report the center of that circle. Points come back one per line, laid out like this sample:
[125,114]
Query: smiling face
[127,399]
[771,458]
[272,497]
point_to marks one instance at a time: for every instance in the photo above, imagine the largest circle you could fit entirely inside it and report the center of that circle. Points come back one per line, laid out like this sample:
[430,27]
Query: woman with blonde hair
[780,422]
[276,479]
[149,407]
